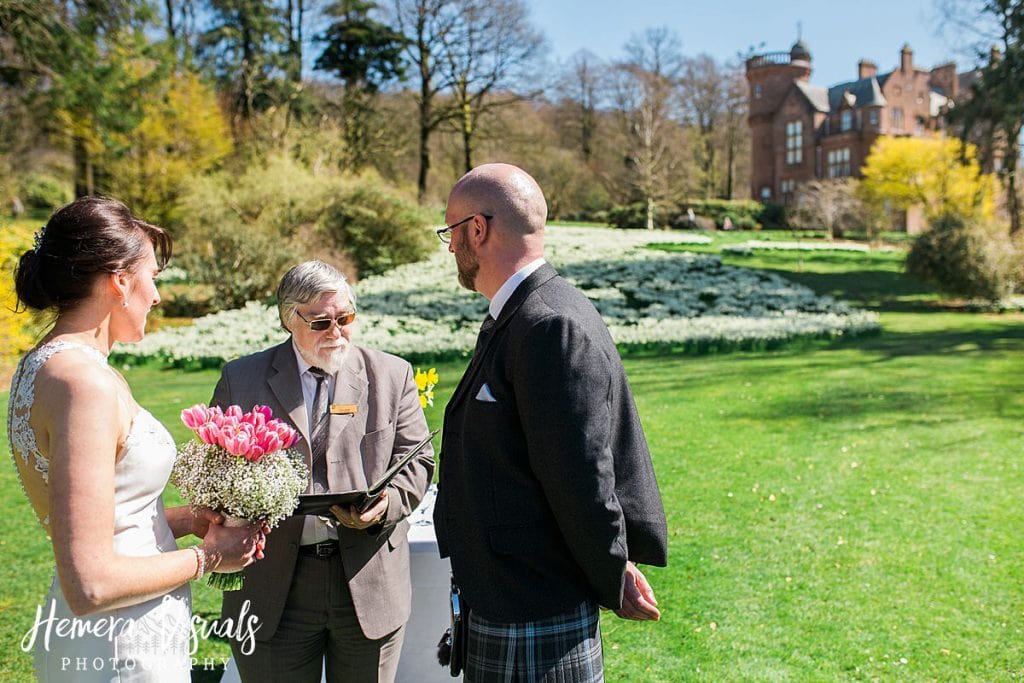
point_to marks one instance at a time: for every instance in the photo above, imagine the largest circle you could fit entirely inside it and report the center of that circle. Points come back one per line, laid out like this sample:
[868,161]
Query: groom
[331,591]
[547,494]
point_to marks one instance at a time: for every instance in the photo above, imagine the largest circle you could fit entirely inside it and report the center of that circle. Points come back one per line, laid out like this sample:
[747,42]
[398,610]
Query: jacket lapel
[287,388]
[508,311]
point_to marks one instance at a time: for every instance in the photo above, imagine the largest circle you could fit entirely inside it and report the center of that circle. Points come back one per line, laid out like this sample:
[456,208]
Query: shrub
[971,260]
[240,263]
[773,216]
[744,213]
[15,328]
[41,191]
[377,227]
[629,216]
[240,234]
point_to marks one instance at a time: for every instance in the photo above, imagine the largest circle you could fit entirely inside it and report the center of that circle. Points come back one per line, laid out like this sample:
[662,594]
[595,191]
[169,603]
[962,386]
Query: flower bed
[750,245]
[650,300]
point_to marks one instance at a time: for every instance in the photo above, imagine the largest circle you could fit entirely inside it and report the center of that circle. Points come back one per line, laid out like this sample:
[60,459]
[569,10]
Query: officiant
[334,590]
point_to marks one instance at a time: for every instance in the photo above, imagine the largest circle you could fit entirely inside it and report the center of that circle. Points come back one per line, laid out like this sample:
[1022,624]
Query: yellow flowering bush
[15,335]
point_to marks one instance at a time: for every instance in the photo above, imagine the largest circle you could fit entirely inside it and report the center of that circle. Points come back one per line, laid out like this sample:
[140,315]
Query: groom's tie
[318,431]
[485,332]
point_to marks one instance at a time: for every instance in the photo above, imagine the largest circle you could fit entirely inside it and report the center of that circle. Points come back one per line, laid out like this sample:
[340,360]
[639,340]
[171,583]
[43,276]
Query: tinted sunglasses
[321,324]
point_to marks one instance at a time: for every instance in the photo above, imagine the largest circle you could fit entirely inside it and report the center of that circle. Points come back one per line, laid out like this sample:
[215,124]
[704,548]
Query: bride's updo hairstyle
[81,241]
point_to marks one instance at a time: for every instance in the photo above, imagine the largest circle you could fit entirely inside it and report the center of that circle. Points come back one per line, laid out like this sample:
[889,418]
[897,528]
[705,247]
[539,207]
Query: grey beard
[336,363]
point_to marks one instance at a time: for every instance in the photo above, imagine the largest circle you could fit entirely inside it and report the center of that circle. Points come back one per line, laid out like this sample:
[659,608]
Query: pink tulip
[195,416]
[208,433]
[253,454]
[233,411]
[260,415]
[237,443]
[270,442]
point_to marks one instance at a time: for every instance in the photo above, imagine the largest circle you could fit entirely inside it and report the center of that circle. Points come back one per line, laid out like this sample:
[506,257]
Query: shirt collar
[504,292]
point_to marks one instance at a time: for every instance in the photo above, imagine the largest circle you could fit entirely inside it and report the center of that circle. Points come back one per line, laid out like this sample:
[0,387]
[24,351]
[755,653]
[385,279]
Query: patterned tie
[318,431]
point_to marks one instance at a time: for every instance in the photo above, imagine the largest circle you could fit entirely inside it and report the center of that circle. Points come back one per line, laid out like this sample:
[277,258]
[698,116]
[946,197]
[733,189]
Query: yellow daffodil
[425,383]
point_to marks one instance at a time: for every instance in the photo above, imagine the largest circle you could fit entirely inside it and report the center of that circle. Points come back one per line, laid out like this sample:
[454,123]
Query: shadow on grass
[947,342]
[879,290]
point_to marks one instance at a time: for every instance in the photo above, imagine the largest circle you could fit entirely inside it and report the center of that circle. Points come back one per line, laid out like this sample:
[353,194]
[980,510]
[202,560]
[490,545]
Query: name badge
[344,408]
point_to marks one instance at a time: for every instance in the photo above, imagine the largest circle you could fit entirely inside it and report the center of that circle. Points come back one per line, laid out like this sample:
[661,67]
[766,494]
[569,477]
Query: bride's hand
[202,518]
[229,549]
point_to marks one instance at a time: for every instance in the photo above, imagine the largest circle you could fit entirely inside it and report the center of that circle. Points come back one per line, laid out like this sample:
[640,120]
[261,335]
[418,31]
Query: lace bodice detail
[19,410]
[20,435]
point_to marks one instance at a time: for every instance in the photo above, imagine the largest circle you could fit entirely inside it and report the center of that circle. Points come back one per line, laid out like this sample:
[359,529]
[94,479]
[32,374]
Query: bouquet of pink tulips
[243,466]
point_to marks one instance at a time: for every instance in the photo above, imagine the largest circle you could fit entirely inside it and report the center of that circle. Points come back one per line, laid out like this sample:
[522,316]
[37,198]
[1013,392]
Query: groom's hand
[638,601]
[351,518]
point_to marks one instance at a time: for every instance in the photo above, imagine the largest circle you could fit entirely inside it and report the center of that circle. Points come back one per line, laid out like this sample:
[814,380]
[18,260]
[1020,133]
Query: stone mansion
[801,132]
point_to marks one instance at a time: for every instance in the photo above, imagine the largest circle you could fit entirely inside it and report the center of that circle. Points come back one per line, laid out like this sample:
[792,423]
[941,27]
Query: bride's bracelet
[200,563]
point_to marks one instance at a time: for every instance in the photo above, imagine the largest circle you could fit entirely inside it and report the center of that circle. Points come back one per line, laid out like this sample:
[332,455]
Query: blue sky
[838,34]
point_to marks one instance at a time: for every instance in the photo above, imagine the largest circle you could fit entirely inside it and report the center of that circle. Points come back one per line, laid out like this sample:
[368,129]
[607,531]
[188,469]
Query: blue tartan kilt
[561,649]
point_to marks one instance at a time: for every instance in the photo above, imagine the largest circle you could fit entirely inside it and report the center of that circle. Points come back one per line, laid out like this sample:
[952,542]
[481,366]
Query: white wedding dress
[146,642]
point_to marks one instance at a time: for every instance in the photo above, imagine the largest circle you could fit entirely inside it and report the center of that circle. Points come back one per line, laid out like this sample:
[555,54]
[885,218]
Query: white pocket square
[485,394]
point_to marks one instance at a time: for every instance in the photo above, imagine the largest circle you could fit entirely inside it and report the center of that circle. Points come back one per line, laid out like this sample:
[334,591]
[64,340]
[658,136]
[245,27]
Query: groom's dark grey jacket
[546,483]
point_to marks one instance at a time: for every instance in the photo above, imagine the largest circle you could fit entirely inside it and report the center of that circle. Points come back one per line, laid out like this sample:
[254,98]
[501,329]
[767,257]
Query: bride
[94,463]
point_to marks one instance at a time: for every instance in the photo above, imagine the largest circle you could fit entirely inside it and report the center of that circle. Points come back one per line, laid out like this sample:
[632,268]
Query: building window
[846,121]
[839,163]
[786,189]
[873,117]
[897,118]
[918,126]
[794,142]
[757,91]
[766,193]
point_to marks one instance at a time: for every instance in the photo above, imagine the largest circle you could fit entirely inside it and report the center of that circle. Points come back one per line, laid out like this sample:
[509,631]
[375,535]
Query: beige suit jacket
[388,422]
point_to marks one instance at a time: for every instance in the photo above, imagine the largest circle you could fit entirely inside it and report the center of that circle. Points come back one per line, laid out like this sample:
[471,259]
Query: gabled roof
[867,92]
[816,95]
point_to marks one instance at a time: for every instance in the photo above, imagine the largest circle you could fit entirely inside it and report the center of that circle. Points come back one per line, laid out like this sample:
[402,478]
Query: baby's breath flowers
[243,465]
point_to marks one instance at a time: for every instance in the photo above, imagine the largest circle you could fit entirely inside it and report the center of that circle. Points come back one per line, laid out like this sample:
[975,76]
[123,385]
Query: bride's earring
[124,303]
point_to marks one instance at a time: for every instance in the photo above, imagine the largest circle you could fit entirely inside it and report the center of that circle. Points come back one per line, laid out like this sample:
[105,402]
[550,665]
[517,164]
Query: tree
[180,21]
[830,204]
[647,108]
[579,93]
[102,66]
[486,56]
[941,175]
[182,133]
[427,25]
[28,43]
[703,98]
[736,131]
[994,111]
[365,55]
[244,47]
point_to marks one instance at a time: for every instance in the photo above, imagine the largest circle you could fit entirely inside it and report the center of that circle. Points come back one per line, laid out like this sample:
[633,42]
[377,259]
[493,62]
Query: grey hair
[305,283]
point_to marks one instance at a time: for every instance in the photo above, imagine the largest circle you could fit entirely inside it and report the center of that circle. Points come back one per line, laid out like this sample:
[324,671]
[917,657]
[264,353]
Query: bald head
[506,192]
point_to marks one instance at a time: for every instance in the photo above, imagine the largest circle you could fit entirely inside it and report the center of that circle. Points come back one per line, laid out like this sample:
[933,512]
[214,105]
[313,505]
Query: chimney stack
[866,69]
[906,59]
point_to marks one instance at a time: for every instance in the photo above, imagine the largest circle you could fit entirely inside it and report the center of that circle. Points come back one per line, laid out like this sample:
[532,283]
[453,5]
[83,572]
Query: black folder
[320,503]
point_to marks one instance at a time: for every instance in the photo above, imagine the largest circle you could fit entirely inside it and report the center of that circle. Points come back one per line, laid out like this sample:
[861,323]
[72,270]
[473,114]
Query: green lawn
[837,511]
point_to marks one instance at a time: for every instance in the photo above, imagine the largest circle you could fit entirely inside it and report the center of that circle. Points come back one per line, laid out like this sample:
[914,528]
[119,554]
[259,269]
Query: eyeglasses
[444,234]
[321,324]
